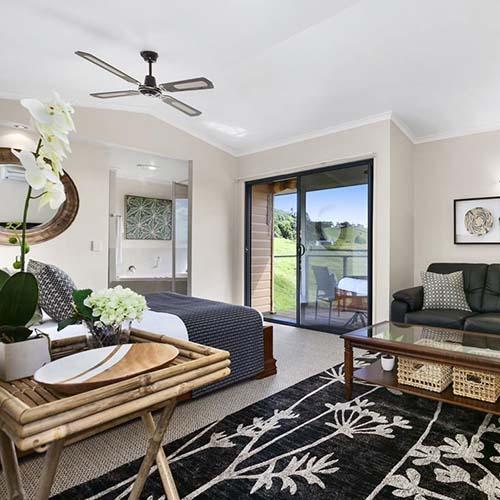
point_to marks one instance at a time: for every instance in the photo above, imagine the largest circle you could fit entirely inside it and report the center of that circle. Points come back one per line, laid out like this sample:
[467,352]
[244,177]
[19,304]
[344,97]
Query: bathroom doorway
[149,219]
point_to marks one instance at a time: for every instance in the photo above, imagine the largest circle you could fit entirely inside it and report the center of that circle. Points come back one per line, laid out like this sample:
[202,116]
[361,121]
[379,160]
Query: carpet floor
[306,442]
[300,353]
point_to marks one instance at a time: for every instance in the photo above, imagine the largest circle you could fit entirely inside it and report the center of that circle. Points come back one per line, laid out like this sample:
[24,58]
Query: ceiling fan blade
[106,66]
[200,83]
[118,93]
[179,105]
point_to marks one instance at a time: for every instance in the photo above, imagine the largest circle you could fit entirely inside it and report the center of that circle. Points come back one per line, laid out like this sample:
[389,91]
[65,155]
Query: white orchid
[54,116]
[53,195]
[43,169]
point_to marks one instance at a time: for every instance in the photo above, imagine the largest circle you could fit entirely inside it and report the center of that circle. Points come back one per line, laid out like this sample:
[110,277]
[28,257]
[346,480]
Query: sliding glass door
[308,247]
[334,244]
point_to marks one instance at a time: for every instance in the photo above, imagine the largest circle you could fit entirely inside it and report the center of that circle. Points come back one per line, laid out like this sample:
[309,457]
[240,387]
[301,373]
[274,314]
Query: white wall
[365,141]
[462,167]
[402,210]
[213,175]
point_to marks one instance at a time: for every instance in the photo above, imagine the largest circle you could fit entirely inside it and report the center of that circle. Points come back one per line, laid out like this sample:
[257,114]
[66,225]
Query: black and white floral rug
[306,442]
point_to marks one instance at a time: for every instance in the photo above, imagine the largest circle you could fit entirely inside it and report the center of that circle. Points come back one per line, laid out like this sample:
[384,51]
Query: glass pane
[181,238]
[334,237]
[472,343]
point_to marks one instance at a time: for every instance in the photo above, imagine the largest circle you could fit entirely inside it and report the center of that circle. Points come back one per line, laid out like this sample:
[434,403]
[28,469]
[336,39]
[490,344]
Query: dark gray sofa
[482,289]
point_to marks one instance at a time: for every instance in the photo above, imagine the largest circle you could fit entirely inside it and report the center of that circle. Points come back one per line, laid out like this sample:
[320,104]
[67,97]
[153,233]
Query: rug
[306,442]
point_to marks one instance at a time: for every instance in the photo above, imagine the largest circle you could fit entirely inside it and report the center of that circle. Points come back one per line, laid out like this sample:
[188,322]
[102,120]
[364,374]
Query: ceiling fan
[149,88]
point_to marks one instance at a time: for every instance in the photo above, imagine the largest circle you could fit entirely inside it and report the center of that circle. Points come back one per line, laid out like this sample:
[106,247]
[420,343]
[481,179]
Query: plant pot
[388,362]
[23,359]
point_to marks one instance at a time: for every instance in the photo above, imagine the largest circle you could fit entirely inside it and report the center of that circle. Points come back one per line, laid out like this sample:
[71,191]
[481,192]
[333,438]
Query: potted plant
[22,351]
[107,314]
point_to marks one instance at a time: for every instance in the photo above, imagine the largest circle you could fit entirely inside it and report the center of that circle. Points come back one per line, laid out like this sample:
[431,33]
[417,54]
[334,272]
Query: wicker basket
[430,376]
[474,384]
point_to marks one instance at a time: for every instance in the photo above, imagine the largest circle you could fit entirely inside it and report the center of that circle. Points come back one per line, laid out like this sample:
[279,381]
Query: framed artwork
[147,218]
[477,221]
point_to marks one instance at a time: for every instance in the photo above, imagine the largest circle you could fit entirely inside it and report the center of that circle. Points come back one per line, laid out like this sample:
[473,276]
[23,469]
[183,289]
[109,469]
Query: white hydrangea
[115,306]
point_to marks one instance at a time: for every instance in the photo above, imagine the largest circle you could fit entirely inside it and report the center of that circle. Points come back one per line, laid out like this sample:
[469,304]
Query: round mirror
[43,223]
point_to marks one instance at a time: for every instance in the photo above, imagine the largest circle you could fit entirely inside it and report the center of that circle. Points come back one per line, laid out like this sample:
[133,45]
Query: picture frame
[147,218]
[477,221]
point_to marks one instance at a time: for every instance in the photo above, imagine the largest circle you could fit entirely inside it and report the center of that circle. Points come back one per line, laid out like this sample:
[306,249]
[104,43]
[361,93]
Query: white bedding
[154,322]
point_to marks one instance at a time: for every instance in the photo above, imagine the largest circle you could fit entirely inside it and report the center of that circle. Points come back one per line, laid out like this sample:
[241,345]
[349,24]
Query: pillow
[56,289]
[444,291]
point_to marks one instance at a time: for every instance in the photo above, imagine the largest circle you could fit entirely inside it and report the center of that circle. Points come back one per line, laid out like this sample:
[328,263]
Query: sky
[339,204]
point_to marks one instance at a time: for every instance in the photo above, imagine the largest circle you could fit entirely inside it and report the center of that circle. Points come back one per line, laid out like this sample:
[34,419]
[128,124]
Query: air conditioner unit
[12,172]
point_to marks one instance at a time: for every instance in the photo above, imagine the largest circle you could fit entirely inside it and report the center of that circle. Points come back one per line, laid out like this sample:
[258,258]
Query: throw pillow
[444,291]
[56,289]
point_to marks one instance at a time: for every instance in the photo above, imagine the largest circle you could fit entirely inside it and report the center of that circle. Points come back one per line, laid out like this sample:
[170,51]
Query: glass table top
[468,343]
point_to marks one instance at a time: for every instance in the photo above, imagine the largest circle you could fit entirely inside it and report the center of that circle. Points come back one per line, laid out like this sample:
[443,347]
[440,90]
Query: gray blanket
[236,329]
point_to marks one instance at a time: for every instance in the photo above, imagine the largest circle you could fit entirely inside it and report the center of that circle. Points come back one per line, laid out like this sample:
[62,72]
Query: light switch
[96,246]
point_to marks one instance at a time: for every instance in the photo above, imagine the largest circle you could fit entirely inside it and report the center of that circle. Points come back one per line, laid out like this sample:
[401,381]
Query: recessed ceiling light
[147,166]
[20,126]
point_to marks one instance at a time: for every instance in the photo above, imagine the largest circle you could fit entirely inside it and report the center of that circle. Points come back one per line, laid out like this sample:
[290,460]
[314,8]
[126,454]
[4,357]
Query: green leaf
[79,297]
[11,334]
[4,276]
[67,322]
[18,299]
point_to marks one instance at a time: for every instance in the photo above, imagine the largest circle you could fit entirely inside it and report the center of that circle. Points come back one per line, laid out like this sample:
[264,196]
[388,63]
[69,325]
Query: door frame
[369,163]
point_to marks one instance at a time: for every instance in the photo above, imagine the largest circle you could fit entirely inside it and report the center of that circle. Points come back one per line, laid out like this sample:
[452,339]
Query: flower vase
[107,335]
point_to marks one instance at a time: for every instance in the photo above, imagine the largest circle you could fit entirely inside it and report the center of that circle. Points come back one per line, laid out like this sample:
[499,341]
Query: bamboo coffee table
[33,417]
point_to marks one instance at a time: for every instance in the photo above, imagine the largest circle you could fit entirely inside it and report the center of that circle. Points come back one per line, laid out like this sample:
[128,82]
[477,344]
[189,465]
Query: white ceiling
[283,69]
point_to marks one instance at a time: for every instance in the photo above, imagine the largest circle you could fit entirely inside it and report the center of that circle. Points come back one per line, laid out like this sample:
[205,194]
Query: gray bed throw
[236,329]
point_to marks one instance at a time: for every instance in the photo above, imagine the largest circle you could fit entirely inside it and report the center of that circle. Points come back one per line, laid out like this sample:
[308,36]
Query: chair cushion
[474,279]
[491,295]
[446,318]
[487,323]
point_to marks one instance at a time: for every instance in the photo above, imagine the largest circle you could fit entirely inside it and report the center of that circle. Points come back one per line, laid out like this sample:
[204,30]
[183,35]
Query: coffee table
[477,351]
[35,417]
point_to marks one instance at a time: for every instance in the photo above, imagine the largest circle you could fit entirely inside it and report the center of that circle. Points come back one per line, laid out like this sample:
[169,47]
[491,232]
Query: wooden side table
[33,417]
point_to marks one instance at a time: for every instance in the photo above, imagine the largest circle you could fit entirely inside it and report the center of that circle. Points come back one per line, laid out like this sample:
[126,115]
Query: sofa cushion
[445,318]
[487,323]
[444,291]
[491,295]
[474,279]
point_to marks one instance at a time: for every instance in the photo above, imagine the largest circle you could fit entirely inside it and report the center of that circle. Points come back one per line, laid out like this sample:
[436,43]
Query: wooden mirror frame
[61,220]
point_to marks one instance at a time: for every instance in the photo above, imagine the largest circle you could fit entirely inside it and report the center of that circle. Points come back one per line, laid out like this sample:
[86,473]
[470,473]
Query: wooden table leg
[161,460]
[10,467]
[49,469]
[348,369]
[151,454]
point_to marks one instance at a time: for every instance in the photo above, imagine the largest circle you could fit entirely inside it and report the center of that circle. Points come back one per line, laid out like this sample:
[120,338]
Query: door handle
[302,249]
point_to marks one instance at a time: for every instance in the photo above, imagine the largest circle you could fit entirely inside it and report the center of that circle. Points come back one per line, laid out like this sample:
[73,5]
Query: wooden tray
[95,368]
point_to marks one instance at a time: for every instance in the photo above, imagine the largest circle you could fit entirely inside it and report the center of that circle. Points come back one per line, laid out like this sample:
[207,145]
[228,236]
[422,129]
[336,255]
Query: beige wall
[366,141]
[212,193]
[402,210]
[463,167]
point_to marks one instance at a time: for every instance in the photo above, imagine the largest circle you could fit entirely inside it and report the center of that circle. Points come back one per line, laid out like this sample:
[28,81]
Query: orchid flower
[54,195]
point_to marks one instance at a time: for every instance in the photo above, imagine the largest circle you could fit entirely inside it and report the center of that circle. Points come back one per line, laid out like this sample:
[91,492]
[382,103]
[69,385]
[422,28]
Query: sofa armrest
[413,297]
[398,311]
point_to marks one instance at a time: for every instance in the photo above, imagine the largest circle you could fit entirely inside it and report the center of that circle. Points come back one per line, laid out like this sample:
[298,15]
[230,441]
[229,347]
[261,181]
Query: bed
[237,329]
